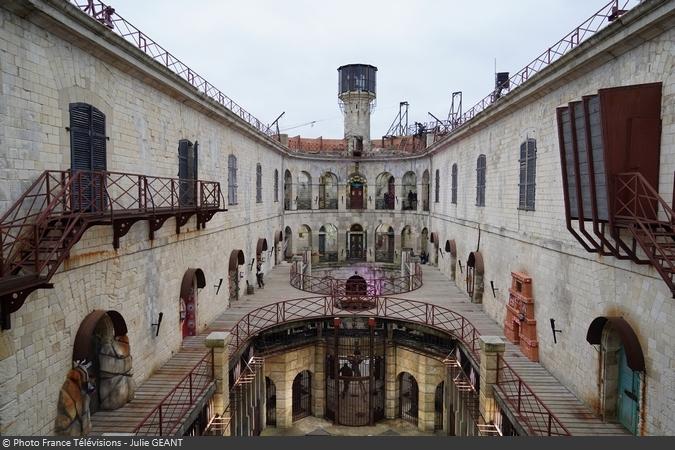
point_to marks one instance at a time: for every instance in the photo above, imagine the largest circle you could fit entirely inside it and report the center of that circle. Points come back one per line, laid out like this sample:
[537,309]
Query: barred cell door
[271,397]
[408,398]
[302,395]
[438,406]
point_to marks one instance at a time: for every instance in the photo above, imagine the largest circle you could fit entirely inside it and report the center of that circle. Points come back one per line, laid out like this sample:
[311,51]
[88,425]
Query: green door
[629,394]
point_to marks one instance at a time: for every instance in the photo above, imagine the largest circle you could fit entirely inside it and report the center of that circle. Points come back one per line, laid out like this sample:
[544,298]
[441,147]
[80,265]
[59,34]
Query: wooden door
[356,196]
[628,395]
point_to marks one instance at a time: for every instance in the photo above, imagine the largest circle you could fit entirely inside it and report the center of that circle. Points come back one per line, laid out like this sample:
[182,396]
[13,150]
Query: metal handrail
[528,407]
[434,316]
[163,419]
[107,16]
[569,42]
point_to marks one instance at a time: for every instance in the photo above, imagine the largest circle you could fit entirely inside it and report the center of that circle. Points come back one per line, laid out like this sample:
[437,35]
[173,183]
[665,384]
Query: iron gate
[302,395]
[355,374]
[438,406]
[409,398]
[271,402]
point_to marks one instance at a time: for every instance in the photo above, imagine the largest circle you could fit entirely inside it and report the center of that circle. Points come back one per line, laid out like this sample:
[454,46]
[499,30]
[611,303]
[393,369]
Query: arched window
[384,243]
[328,191]
[328,249]
[425,191]
[409,192]
[528,171]
[437,186]
[288,190]
[304,191]
[276,185]
[480,181]
[232,180]
[453,191]
[258,183]
[385,191]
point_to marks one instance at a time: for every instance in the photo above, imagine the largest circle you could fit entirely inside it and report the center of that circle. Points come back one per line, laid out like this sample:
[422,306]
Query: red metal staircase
[648,221]
[39,230]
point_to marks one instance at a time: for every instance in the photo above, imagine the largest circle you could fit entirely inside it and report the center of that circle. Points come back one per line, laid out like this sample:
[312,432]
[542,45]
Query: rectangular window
[453,192]
[258,183]
[276,185]
[232,180]
[528,167]
[480,181]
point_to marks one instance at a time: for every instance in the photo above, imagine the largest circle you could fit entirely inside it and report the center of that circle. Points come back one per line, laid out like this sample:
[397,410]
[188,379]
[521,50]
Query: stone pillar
[427,411]
[491,348]
[391,385]
[319,380]
[218,342]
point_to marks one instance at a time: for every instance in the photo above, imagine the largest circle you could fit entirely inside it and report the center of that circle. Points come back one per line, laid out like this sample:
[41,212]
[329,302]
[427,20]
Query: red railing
[650,221]
[530,410]
[572,40]
[107,16]
[275,314]
[165,418]
[70,198]
[337,287]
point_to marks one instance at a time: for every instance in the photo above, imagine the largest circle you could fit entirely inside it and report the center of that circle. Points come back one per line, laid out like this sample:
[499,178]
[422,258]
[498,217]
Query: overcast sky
[273,56]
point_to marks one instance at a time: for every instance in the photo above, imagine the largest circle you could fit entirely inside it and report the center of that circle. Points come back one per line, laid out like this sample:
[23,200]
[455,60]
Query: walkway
[437,289]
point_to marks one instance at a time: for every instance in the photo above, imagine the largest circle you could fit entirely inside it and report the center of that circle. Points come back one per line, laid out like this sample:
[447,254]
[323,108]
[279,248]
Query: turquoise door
[629,394]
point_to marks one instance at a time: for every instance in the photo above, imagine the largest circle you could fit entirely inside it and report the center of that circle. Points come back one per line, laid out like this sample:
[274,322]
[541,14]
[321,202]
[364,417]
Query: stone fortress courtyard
[171,265]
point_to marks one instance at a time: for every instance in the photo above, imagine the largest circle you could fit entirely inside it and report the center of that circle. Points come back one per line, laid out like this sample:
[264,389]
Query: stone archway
[236,260]
[193,279]
[288,244]
[101,377]
[474,277]
[451,250]
[622,369]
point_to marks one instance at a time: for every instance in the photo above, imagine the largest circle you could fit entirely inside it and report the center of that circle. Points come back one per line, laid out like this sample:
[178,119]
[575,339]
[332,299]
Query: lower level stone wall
[574,288]
[139,281]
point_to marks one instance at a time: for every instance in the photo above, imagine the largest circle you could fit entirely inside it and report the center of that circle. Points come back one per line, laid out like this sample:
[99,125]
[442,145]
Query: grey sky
[274,56]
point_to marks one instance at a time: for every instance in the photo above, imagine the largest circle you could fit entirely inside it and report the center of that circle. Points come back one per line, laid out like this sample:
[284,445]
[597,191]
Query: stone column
[319,380]
[427,411]
[391,385]
[491,348]
[218,342]
[285,398]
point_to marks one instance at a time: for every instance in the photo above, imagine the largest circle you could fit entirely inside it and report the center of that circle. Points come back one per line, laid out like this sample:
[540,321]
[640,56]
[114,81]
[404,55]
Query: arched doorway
[474,277]
[356,243]
[409,202]
[438,406]
[236,260]
[434,251]
[304,196]
[193,279]
[385,191]
[425,191]
[328,246]
[288,190]
[356,186]
[101,375]
[288,241]
[302,395]
[328,191]
[622,368]
[270,402]
[451,249]
[278,238]
[424,245]
[304,238]
[408,405]
[406,239]
[384,243]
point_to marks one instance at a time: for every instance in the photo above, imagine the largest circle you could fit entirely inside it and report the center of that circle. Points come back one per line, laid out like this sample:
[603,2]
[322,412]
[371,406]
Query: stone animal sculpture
[73,416]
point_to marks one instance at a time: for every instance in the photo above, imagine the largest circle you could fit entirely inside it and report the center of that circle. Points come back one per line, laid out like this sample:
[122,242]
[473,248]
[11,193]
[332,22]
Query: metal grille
[453,193]
[258,183]
[355,371]
[232,180]
[302,395]
[408,405]
[528,168]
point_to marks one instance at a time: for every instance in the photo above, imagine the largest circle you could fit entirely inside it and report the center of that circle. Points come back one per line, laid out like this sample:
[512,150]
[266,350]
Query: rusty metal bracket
[182,219]
[121,227]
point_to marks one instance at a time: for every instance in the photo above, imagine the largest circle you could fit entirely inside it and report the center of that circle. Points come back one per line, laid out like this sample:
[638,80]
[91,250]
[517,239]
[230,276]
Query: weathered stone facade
[52,55]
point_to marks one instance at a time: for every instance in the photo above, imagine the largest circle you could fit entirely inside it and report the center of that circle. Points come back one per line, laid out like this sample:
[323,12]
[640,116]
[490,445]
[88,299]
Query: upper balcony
[39,230]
